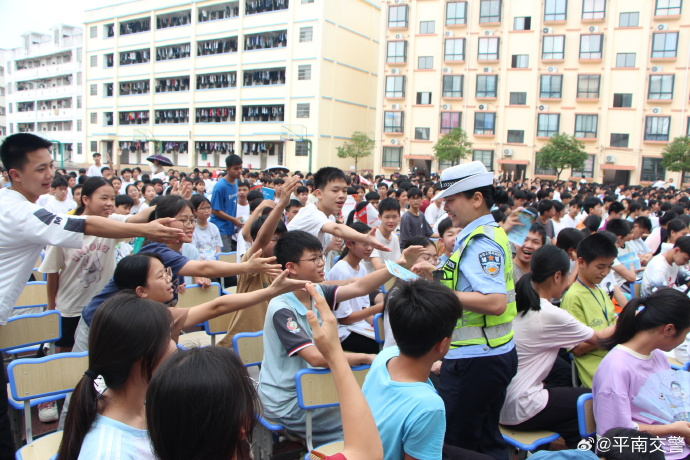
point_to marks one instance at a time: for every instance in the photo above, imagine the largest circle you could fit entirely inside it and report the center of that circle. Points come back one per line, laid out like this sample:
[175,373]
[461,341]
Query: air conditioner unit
[395,106]
[610,159]
[488,69]
[481,107]
[507,152]
[593,29]
[547,30]
[394,141]
[657,69]
[656,110]
[448,33]
[488,33]
[662,27]
[552,69]
[395,71]
[445,106]
[398,36]
[543,108]
[447,70]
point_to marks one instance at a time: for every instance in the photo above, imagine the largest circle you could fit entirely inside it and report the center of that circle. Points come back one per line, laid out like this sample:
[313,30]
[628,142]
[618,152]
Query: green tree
[359,146]
[453,146]
[560,152]
[676,156]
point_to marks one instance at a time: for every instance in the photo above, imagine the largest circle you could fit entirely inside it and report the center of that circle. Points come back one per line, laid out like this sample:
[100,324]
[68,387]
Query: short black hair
[232,160]
[124,200]
[126,170]
[414,192]
[421,314]
[590,203]
[242,183]
[278,181]
[644,223]
[619,227]
[254,194]
[445,225]
[256,226]
[291,245]
[301,189]
[568,238]
[15,148]
[389,204]
[372,196]
[544,206]
[683,243]
[59,181]
[156,181]
[382,184]
[595,246]
[293,203]
[616,207]
[539,230]
[328,174]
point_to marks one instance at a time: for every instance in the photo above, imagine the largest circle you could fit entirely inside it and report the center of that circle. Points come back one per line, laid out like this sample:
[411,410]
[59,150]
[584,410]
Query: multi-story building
[513,73]
[44,89]
[200,80]
[3,90]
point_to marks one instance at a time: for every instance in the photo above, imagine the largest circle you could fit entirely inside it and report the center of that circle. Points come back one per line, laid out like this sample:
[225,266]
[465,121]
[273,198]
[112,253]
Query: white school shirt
[94,171]
[25,228]
[60,207]
[343,271]
[311,220]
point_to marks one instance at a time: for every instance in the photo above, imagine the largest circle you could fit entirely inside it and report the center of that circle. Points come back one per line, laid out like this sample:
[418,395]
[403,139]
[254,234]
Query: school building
[3,90]
[43,91]
[513,73]
[280,82]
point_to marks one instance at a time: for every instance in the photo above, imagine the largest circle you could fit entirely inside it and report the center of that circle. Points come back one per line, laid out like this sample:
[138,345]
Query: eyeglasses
[187,222]
[167,273]
[320,260]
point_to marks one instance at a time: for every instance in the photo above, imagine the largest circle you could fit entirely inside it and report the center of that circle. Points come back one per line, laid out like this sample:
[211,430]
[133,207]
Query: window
[657,128]
[395,86]
[629,20]
[78,78]
[303,110]
[307,1]
[652,170]
[397,16]
[622,99]
[661,87]
[396,51]
[93,32]
[485,156]
[306,34]
[519,61]
[541,170]
[590,46]
[454,49]
[518,98]
[392,157]
[665,45]
[484,123]
[93,90]
[522,23]
[593,9]
[456,13]
[424,98]
[587,168]
[94,118]
[94,146]
[619,140]
[452,85]
[450,121]
[301,149]
[488,48]
[425,62]
[553,47]
[588,86]
[108,89]
[78,125]
[304,72]
[516,136]
[93,61]
[490,11]
[625,60]
[108,118]
[586,126]
[555,10]
[486,85]
[550,87]
[79,102]
[79,148]
[548,124]
[422,134]
[668,7]
[392,122]
[427,27]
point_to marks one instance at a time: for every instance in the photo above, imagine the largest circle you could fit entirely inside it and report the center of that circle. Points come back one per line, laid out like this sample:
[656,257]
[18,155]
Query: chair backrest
[316,387]
[42,448]
[686,366]
[34,294]
[194,295]
[218,325]
[32,378]
[249,346]
[33,329]
[379,332]
[230,257]
[585,415]
[38,263]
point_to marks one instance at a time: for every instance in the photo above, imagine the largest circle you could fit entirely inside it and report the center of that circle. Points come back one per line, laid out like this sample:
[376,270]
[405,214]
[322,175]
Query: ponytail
[526,298]
[83,408]
[665,306]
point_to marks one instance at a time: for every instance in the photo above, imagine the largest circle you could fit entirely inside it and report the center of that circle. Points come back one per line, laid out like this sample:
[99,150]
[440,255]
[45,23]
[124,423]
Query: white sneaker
[47,412]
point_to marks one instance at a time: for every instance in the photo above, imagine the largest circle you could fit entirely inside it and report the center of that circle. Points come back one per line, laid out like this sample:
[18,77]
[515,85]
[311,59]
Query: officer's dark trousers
[473,391]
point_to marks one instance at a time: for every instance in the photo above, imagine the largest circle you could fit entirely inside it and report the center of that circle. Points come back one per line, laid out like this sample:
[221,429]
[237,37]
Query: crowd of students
[484,337]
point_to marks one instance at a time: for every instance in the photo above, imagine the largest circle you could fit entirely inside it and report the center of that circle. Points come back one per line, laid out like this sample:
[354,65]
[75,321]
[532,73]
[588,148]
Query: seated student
[567,240]
[373,198]
[647,327]
[641,226]
[615,211]
[622,229]
[557,219]
[536,238]
[447,234]
[591,225]
[570,220]
[662,270]
[288,342]
[206,237]
[59,202]
[674,230]
[541,329]
[129,339]
[123,205]
[209,388]
[389,214]
[409,413]
[588,303]
[591,207]
[292,209]
[660,234]
[302,194]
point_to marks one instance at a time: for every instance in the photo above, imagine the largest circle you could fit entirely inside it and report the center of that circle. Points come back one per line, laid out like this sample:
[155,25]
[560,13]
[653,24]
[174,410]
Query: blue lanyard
[603,307]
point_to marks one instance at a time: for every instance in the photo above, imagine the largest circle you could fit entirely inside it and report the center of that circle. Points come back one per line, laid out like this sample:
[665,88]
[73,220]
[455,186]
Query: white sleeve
[53,229]
[309,219]
[562,329]
[54,260]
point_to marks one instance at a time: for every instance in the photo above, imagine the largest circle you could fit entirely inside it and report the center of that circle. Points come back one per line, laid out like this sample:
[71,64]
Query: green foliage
[676,156]
[560,152]
[359,146]
[453,146]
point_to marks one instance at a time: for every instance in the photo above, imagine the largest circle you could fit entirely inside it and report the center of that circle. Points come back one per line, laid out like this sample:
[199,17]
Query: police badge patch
[491,262]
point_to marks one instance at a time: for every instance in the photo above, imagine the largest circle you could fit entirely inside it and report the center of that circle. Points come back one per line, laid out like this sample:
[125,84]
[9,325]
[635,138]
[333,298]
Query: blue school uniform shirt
[224,199]
[410,416]
[109,439]
[171,259]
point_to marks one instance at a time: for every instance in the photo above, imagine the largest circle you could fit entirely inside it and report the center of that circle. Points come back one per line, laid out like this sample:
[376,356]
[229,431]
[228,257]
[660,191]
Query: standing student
[389,214]
[206,236]
[413,223]
[482,358]
[662,270]
[95,169]
[242,214]
[224,202]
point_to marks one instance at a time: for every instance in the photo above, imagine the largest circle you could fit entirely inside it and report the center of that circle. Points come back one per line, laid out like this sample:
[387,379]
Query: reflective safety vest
[474,328]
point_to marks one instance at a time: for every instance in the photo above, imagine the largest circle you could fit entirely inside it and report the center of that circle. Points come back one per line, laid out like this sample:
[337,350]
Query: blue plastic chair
[379,332]
[41,448]
[585,416]
[527,441]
